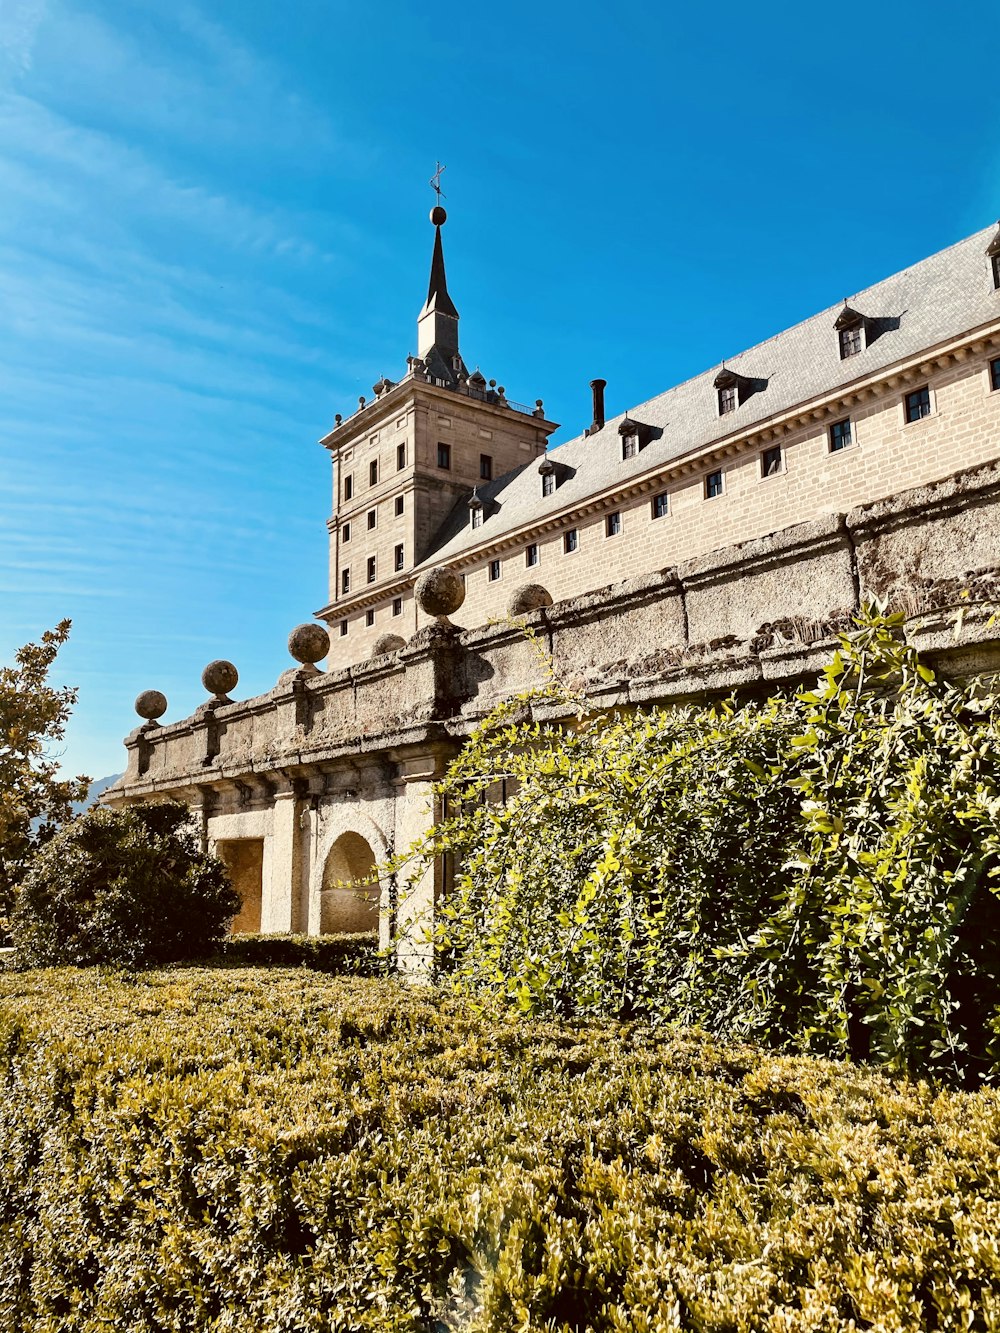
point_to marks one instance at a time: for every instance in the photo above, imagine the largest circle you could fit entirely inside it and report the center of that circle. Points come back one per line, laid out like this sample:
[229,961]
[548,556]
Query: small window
[373,472]
[345,580]
[370,618]
[397,606]
[613,525]
[630,446]
[996,271]
[727,400]
[397,558]
[399,506]
[372,519]
[349,487]
[477,517]
[485,467]
[494,570]
[660,505]
[345,533]
[400,456]
[571,541]
[371,569]
[995,374]
[343,628]
[548,483]
[713,485]
[918,404]
[840,436]
[531,555]
[771,461]
[444,456]
[850,341]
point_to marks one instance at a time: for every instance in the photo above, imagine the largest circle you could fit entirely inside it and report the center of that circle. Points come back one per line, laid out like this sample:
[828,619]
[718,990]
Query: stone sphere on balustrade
[387,643]
[151,704]
[220,677]
[529,597]
[439,592]
[308,643]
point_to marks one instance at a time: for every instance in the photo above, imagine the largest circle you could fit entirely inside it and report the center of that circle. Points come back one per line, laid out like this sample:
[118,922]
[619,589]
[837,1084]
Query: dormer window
[851,328]
[635,435]
[475,509]
[547,471]
[630,446]
[993,255]
[733,390]
[477,518]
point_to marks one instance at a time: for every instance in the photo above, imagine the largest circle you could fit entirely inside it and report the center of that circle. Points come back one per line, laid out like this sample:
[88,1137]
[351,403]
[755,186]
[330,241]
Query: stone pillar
[281,906]
[417,809]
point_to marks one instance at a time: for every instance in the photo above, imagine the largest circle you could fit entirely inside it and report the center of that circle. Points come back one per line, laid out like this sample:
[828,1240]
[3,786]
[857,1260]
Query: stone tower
[403,462]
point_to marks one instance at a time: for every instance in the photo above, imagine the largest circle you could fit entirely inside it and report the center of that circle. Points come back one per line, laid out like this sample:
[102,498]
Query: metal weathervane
[435,182]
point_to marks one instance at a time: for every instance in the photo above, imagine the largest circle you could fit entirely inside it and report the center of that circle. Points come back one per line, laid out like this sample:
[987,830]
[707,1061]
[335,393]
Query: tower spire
[437,323]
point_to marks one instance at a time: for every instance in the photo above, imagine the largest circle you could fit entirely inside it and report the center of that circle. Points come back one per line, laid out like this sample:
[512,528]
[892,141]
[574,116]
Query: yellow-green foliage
[278,1150]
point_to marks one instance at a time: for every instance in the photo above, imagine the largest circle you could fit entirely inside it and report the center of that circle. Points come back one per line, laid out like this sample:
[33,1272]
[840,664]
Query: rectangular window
[477,517]
[571,541]
[349,487]
[397,606]
[343,628]
[373,472]
[345,580]
[613,525]
[372,519]
[444,456]
[771,461]
[531,555]
[485,467]
[918,404]
[548,483]
[840,436]
[494,570]
[660,505]
[400,457]
[630,446]
[996,272]
[995,374]
[850,342]
[727,400]
[399,506]
[397,558]
[371,569]
[345,533]
[713,485]
[369,618]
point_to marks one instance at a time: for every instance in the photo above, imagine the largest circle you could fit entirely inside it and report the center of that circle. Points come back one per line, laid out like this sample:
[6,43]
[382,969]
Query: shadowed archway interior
[347,902]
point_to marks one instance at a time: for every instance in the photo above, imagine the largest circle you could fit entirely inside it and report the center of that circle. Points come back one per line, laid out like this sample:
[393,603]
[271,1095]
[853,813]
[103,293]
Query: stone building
[709,539]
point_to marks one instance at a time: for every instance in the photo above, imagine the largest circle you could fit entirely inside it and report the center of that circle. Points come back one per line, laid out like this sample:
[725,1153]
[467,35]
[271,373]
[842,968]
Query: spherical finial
[151,704]
[220,677]
[438,216]
[308,643]
[529,597]
[387,643]
[439,592]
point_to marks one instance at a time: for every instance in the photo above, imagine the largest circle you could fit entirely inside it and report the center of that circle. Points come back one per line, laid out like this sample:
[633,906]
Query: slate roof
[935,300]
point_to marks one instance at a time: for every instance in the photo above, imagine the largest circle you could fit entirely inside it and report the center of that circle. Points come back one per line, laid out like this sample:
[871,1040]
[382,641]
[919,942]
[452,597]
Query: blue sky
[214,236]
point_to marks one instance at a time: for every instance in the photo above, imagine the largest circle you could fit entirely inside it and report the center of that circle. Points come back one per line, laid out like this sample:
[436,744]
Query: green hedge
[356,953]
[223,1149]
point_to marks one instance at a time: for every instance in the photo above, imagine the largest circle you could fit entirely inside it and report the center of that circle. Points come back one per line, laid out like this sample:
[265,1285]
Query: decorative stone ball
[220,677]
[308,643]
[151,704]
[438,216]
[439,592]
[529,597]
[387,643]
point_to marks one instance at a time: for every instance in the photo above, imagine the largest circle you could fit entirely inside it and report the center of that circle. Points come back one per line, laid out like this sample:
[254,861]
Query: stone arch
[347,904]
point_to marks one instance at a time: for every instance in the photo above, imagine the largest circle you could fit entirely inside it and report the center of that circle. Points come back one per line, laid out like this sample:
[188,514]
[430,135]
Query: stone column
[281,900]
[417,809]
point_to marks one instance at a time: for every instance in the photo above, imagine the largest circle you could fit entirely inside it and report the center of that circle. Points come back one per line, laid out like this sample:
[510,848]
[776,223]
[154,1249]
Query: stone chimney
[597,388]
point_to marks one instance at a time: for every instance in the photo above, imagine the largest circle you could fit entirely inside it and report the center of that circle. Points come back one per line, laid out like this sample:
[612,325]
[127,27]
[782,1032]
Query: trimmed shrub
[126,887]
[204,1150]
[816,871]
[354,954]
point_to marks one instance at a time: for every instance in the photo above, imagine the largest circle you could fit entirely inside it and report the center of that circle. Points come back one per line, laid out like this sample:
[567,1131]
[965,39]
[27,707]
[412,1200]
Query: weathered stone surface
[309,643]
[529,597]
[151,704]
[387,643]
[219,677]
[439,592]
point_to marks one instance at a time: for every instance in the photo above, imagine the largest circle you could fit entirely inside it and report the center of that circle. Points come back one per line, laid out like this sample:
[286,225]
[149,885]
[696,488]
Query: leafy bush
[356,953]
[201,1150]
[817,871]
[128,887]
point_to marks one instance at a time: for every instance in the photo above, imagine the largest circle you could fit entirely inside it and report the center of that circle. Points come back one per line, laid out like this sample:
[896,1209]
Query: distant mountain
[95,789]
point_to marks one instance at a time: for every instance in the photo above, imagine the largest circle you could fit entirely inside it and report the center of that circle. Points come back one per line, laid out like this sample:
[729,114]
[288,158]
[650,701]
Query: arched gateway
[348,900]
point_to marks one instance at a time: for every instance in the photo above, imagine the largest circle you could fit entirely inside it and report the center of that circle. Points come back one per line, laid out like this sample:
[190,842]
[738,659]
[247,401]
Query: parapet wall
[747,616]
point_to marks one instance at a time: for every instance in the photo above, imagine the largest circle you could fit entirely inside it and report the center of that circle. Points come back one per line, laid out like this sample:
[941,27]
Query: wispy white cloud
[19,24]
